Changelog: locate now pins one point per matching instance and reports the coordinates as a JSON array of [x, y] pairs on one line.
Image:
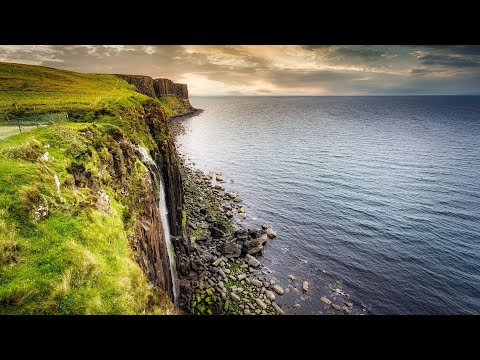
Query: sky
[[260, 70]]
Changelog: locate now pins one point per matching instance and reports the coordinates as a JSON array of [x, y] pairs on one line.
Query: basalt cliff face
[[149, 240], [160, 88]]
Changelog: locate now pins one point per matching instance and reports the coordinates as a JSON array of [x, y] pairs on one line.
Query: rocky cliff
[[160, 88]]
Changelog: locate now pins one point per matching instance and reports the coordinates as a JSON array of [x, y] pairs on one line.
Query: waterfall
[[162, 206]]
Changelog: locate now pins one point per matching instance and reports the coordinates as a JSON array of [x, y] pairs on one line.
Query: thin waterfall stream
[[162, 206]]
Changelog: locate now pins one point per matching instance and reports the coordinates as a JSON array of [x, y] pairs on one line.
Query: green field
[[77, 259]]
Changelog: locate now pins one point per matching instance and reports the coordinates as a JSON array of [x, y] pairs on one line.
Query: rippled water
[[382, 193]]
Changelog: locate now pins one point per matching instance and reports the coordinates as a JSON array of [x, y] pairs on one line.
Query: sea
[[375, 197]]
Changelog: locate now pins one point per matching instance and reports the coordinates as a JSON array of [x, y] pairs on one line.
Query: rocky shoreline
[[227, 275]]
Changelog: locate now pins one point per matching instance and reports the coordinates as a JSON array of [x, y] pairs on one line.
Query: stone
[[241, 277], [210, 219], [258, 311], [261, 303], [335, 306], [226, 271], [252, 246], [268, 302], [264, 312], [247, 312], [217, 261], [262, 238], [278, 289], [222, 274], [271, 234], [242, 306], [349, 304], [256, 282], [346, 310], [219, 178], [237, 199], [244, 266], [242, 210], [250, 269], [242, 235], [326, 300], [219, 187], [227, 303], [216, 233], [270, 295], [203, 211], [192, 225], [252, 261], [305, 286], [220, 225], [265, 226], [291, 277], [229, 214], [277, 308], [296, 305], [242, 216], [234, 296], [231, 250]]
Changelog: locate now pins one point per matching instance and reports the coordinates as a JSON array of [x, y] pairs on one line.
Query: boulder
[[270, 295], [216, 233], [209, 218], [265, 226], [278, 289], [232, 250], [252, 261], [291, 277], [271, 234]]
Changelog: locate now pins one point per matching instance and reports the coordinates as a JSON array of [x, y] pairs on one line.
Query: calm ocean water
[[381, 193]]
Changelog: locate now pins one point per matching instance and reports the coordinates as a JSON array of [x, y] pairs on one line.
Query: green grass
[[36, 89], [78, 259]]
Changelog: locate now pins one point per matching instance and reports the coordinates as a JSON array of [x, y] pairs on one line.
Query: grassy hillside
[[64, 248]]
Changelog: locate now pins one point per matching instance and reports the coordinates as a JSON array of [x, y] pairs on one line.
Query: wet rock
[[277, 308], [242, 235], [271, 234], [241, 277], [261, 303], [262, 238], [305, 286], [296, 305], [203, 211], [242, 216], [256, 282], [252, 261], [326, 300], [346, 310], [278, 289], [335, 306], [219, 178], [234, 296], [252, 246], [218, 186], [270, 295], [220, 225], [237, 199], [265, 226], [349, 304], [209, 218], [231, 250], [242, 210], [216, 233], [229, 214], [217, 261], [291, 277]]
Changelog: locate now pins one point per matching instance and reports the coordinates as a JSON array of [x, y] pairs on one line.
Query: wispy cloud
[[275, 70]]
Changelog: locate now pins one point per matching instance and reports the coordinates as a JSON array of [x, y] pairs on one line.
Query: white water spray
[[162, 205]]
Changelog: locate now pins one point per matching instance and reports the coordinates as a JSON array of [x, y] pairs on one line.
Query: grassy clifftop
[[69, 193]]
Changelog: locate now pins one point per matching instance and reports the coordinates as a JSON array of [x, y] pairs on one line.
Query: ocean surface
[[377, 196]]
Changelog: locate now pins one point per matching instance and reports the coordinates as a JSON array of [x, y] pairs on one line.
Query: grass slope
[[78, 259]]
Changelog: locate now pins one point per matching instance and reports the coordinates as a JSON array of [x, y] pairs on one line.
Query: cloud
[[273, 69], [448, 60]]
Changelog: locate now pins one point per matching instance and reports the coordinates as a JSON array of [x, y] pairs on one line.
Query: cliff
[[80, 227], [174, 96]]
